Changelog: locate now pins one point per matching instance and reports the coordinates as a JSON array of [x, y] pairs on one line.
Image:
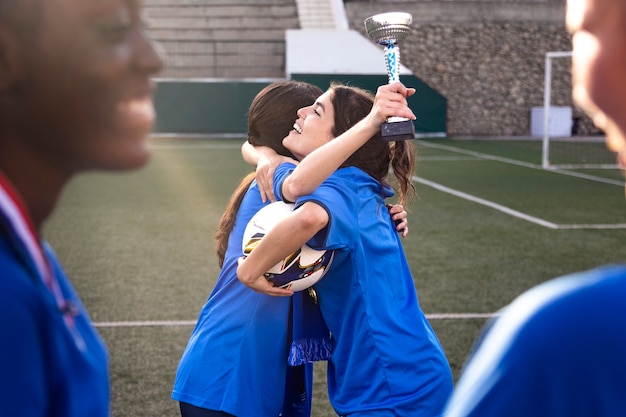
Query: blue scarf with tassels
[[310, 336], [310, 342]]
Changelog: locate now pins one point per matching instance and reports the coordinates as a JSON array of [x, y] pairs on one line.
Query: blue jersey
[[236, 358], [558, 350], [386, 359], [46, 367]]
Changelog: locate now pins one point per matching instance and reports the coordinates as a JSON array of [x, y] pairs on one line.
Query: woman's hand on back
[[400, 218], [265, 159], [266, 166]]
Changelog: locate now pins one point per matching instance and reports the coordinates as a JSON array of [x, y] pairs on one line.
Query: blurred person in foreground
[[559, 349], [75, 95]]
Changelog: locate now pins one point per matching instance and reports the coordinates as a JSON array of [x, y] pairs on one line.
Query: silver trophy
[[387, 29]]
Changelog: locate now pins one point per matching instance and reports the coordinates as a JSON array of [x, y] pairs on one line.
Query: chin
[[123, 155], [137, 158]]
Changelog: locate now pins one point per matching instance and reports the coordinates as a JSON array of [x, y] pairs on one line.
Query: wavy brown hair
[[271, 116], [352, 104]]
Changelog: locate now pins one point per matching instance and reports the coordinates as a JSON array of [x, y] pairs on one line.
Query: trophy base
[[397, 131]]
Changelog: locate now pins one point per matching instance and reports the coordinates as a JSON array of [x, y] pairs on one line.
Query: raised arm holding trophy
[[387, 29]]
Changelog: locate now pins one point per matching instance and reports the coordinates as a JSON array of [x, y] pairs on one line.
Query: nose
[[304, 112], [149, 55]]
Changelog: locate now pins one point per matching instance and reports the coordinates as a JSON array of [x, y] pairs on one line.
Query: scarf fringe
[[309, 350]]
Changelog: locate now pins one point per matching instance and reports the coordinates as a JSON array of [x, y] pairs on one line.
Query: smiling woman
[[99, 64], [75, 95]]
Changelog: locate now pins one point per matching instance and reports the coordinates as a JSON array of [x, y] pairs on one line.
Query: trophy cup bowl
[[387, 29], [391, 27]]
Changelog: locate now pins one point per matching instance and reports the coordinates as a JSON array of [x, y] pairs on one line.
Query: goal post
[[547, 97], [565, 151]]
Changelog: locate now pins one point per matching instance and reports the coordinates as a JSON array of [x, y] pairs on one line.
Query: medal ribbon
[[15, 211]]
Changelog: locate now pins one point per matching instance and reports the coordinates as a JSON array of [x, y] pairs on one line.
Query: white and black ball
[[300, 269]]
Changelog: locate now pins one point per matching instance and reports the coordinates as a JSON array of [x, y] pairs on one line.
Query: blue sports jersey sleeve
[[282, 172], [556, 351], [339, 204], [341, 231]]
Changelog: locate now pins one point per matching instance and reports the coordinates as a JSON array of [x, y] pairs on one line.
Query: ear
[[9, 59]]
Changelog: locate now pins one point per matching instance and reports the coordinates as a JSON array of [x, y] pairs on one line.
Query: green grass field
[[487, 225]]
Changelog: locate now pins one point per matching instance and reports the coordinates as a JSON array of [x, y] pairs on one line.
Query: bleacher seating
[[229, 39]]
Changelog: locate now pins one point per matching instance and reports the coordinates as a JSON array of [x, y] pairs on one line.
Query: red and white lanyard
[[15, 210]]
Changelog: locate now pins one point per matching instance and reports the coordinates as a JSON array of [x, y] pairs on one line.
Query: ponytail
[[403, 165], [227, 222]]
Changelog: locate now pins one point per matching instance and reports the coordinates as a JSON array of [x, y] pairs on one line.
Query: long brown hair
[[271, 116], [352, 104]]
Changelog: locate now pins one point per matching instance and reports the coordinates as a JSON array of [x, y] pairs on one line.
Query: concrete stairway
[[227, 39], [322, 14]]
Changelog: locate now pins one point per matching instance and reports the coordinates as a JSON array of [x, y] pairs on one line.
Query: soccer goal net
[[563, 145]]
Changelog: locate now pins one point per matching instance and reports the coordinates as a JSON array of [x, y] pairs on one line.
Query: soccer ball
[[300, 269]]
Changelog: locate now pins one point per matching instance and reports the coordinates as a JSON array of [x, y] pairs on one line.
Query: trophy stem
[[396, 128], [392, 61]]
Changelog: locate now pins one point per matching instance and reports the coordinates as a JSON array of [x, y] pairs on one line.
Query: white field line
[[183, 323], [591, 226], [515, 213], [167, 146], [450, 158], [507, 210], [495, 206], [460, 316], [523, 164], [160, 323]]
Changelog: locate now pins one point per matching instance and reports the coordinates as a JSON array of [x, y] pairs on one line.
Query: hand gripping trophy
[[387, 29]]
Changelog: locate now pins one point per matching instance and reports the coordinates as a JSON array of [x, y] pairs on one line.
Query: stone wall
[[486, 57]]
